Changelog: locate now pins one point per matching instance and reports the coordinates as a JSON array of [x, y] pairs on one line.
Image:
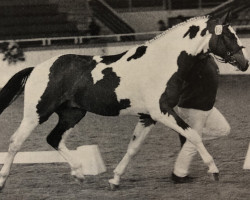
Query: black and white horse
[[136, 82]]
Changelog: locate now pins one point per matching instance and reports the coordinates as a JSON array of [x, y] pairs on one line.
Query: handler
[[196, 108]]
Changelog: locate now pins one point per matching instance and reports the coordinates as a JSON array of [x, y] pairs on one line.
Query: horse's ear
[[226, 18]]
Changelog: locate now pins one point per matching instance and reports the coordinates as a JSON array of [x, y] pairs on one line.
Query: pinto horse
[[136, 82]]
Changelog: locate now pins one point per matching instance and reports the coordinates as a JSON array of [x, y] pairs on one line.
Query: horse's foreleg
[[16, 142], [172, 120], [140, 133]]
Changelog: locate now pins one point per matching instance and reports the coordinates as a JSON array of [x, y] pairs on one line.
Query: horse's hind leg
[[68, 118], [140, 133], [26, 127]]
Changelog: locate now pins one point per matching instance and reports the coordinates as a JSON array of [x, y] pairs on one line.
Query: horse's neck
[[174, 40]]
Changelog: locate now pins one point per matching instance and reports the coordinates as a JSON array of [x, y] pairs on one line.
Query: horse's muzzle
[[241, 63], [244, 68]]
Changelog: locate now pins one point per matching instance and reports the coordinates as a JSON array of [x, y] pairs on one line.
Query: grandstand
[[62, 22]]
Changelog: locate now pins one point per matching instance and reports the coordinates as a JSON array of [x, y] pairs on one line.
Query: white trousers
[[209, 124]]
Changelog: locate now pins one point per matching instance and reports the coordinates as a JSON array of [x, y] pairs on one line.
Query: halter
[[228, 56]]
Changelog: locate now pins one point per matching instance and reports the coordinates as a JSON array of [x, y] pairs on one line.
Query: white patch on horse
[[137, 86], [239, 43], [97, 72], [35, 87], [97, 58]]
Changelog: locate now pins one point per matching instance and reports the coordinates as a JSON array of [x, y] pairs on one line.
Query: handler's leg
[[215, 126], [196, 119], [140, 133]]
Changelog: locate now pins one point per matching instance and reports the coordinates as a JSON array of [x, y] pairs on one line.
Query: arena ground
[[148, 176]]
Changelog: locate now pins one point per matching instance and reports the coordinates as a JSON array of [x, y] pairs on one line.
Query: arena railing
[[115, 37]]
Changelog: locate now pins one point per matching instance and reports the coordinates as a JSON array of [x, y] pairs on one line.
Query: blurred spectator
[[13, 53], [162, 25]]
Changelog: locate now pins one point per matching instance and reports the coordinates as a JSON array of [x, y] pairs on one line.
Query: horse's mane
[[176, 26]]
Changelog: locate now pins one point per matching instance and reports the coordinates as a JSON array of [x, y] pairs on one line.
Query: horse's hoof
[[78, 175], [1, 187], [113, 185], [180, 180], [79, 180], [216, 176]]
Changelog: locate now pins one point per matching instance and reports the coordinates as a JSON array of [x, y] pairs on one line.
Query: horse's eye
[[228, 53]]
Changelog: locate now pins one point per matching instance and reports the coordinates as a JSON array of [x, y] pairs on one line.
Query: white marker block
[[247, 159], [88, 155], [35, 157], [91, 159]]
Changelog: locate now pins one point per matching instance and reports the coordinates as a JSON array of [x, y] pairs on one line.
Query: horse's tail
[[13, 88]]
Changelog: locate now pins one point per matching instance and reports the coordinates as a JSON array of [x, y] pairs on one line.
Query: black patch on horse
[[100, 98], [112, 58], [192, 31], [64, 75], [203, 32], [140, 51], [134, 137], [70, 80], [146, 119]]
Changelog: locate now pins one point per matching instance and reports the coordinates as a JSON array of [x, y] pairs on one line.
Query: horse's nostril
[[247, 65]]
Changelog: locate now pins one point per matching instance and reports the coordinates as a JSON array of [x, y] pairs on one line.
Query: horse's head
[[225, 44]]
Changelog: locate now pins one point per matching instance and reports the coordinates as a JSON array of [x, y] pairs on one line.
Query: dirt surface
[[148, 176]]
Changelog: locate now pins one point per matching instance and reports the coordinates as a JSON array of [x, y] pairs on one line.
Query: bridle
[[228, 56]]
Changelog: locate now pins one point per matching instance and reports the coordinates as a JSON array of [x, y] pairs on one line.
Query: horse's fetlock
[[209, 161], [131, 152]]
